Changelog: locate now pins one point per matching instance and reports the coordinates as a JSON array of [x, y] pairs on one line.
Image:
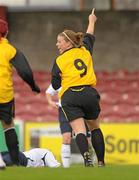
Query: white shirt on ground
[[39, 157]]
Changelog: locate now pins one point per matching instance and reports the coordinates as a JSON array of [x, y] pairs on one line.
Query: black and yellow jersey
[[7, 52], [9, 57], [74, 67]]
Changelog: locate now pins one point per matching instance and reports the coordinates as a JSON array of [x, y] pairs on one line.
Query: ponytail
[[76, 39]]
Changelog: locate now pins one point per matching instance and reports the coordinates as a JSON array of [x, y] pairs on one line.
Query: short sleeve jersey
[[76, 66]]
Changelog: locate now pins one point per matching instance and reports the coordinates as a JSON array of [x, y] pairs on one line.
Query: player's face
[[62, 45]]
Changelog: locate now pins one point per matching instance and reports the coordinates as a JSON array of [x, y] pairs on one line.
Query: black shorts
[[7, 112], [64, 124], [80, 102]]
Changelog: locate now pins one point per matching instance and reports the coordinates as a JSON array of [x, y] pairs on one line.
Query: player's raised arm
[[92, 20]]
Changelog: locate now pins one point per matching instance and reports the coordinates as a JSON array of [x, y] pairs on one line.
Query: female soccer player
[[73, 71], [65, 128], [11, 57]]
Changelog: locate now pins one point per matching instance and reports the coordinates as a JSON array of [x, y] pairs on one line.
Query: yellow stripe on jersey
[[7, 52], [76, 66]]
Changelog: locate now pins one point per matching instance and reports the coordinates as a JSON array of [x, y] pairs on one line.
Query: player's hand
[[92, 16], [36, 89], [53, 104]]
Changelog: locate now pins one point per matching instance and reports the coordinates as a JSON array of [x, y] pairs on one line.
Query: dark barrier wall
[[117, 37]]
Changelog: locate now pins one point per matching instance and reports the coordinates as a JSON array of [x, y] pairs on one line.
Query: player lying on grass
[[36, 157]]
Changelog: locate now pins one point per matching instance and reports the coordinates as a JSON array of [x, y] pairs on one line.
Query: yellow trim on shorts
[[64, 113]]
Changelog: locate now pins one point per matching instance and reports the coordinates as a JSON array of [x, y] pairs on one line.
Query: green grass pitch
[[75, 172]]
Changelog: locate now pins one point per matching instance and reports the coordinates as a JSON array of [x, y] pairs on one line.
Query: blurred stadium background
[[34, 26]]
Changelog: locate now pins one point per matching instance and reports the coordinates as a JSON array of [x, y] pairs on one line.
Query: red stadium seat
[[119, 85], [112, 118], [102, 75], [133, 118], [130, 98], [120, 110], [102, 86], [133, 86], [42, 76], [106, 109], [125, 110], [134, 75], [110, 98], [120, 74]]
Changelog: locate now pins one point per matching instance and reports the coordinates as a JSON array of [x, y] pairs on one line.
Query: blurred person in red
[[11, 57]]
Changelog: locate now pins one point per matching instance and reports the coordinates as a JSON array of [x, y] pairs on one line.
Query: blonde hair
[[76, 39]]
